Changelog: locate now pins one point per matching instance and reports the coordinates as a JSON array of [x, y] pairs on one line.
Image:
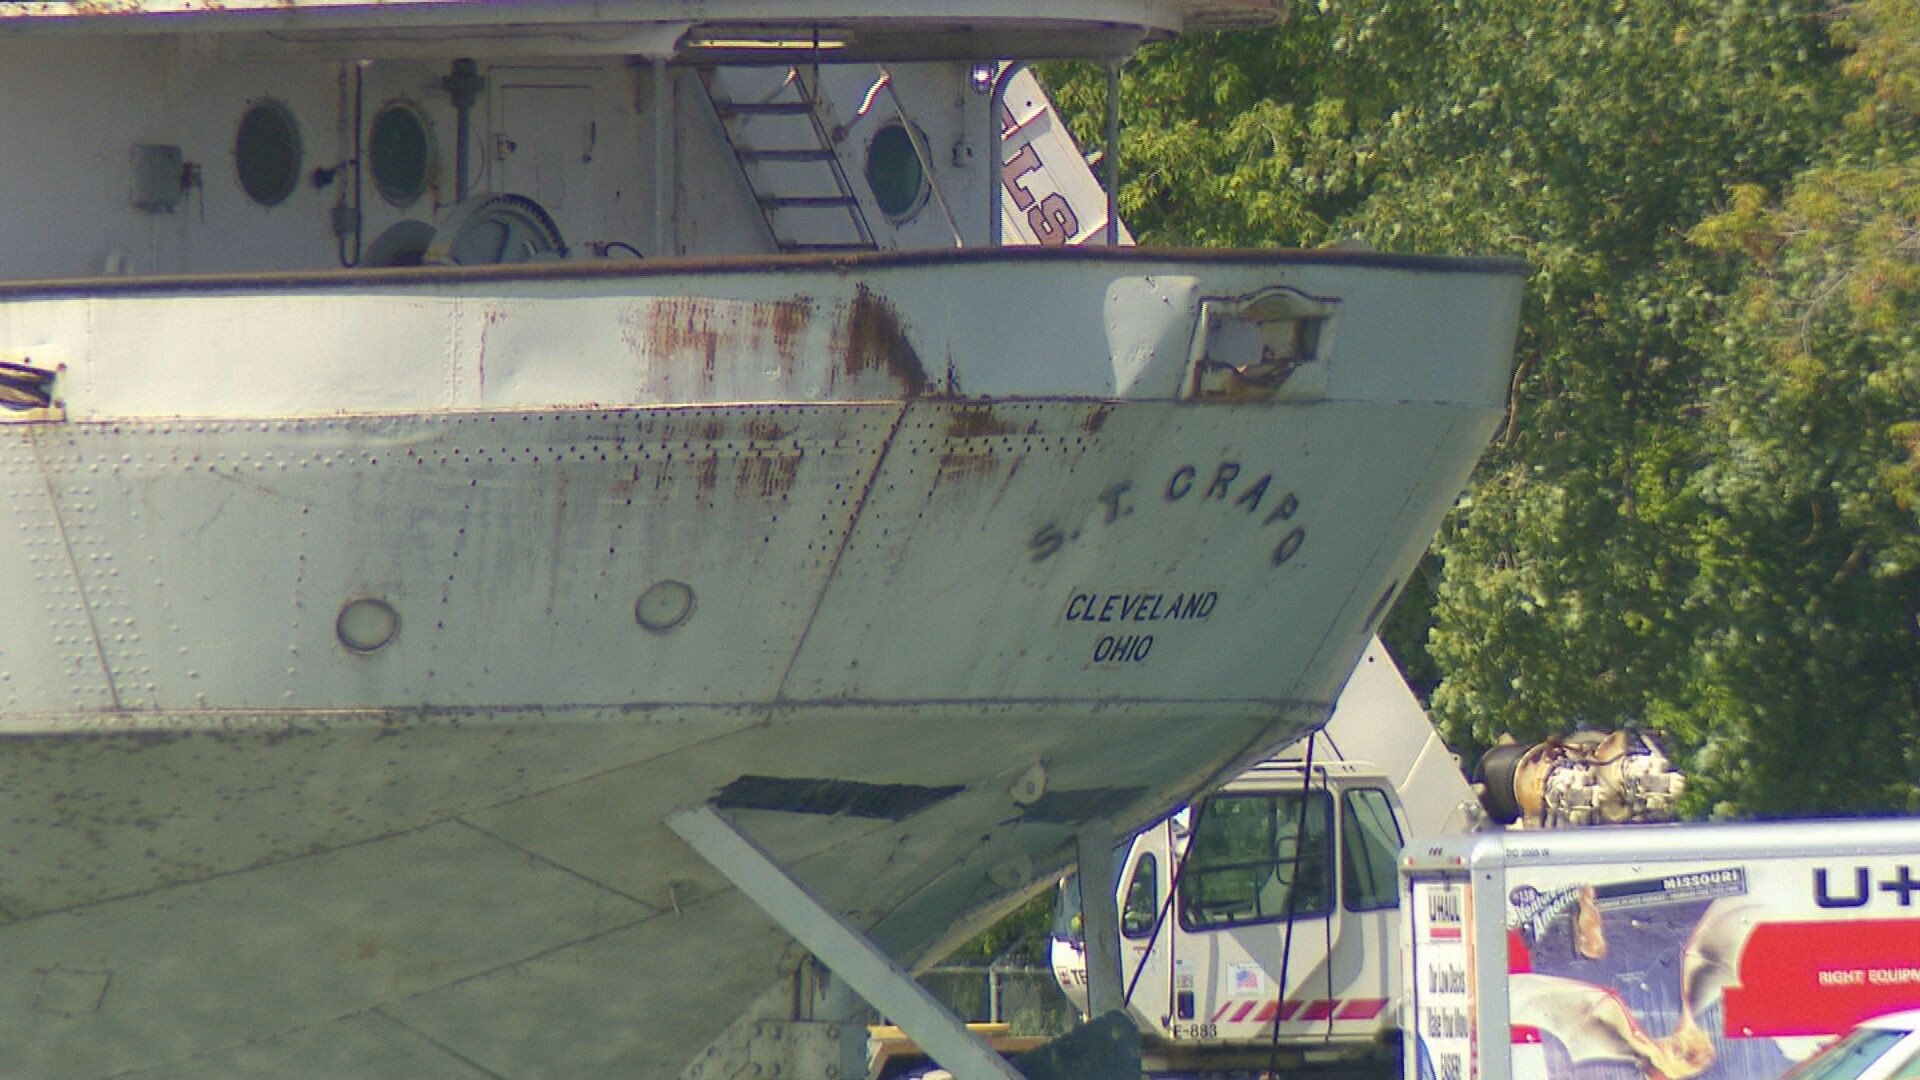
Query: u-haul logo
[[1857, 887]]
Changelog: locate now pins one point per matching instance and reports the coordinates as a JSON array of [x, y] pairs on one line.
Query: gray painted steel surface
[[458, 833]]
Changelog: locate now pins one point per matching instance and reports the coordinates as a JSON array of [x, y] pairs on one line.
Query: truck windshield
[[1258, 858]]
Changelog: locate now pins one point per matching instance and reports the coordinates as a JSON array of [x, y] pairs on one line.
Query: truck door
[[1366, 958], [1145, 954], [1256, 895]]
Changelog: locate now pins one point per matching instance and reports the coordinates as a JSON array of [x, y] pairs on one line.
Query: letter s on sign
[[1046, 541], [1053, 222]]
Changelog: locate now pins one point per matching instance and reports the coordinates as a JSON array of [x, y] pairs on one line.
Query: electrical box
[[158, 178]]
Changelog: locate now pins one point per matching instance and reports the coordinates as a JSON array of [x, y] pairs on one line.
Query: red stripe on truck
[[1262, 1012], [1362, 1009]]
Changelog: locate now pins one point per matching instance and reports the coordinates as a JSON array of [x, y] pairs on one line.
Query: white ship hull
[[236, 844]]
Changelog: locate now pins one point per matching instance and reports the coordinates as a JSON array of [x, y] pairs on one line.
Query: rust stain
[[636, 333], [706, 472], [873, 340], [623, 486], [769, 476], [713, 431], [762, 429], [784, 324], [952, 387], [679, 330], [966, 467], [490, 317], [662, 471], [974, 423], [682, 333], [1096, 419]]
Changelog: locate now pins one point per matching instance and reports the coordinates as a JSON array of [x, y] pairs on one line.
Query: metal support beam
[[1100, 923], [845, 950]]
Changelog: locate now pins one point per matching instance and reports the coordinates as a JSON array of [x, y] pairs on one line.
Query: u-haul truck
[[1718, 952]]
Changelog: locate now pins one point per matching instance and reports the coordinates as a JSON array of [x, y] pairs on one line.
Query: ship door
[[546, 138]]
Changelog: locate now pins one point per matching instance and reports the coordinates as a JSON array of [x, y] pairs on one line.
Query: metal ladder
[[788, 162]]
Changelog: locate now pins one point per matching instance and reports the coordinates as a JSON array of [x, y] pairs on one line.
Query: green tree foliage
[[1020, 940], [1700, 513], [1812, 568]]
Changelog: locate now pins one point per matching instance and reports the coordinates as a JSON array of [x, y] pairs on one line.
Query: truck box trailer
[[1719, 951]]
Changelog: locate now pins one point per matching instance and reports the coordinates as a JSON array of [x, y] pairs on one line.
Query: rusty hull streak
[[706, 472], [1096, 419], [785, 324], [690, 332], [769, 476], [872, 339], [761, 429], [976, 422], [490, 316], [688, 329], [957, 466], [624, 485]]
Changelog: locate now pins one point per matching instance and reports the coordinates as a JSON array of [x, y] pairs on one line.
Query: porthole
[[664, 606], [895, 174], [400, 151], [367, 624], [266, 152]]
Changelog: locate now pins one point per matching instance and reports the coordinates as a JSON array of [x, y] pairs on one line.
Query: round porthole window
[[664, 606], [266, 152], [367, 624], [894, 173], [400, 150]]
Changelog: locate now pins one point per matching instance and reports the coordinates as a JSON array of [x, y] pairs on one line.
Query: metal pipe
[[1293, 892], [662, 159], [1112, 162], [463, 85], [921, 152], [997, 151]]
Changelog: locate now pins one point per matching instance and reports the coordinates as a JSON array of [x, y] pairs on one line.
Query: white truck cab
[[1259, 926]]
